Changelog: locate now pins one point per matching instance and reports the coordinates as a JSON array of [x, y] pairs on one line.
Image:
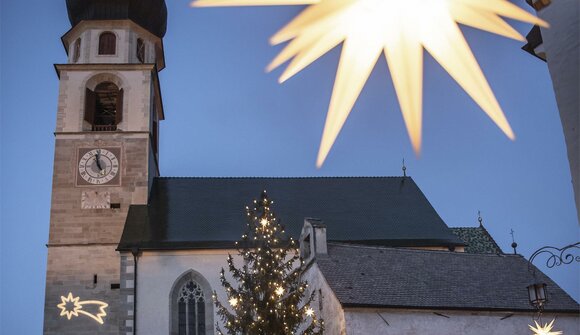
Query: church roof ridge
[[280, 177], [412, 250]]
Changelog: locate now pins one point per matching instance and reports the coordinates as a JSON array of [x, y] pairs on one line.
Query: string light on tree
[[268, 296], [400, 30]]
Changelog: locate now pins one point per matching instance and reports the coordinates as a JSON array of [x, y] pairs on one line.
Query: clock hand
[[97, 156]]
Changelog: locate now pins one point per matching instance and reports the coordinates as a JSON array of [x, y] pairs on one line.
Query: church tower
[[106, 156]]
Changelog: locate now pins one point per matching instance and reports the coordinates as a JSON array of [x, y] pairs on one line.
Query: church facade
[[131, 252]]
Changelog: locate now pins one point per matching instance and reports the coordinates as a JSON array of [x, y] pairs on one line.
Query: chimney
[[313, 239]]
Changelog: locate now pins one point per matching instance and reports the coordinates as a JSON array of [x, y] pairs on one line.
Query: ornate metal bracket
[[558, 256]]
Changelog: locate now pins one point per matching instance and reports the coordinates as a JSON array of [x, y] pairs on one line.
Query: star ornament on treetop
[[400, 29]]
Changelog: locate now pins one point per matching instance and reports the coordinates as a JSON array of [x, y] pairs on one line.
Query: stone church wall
[[72, 269]]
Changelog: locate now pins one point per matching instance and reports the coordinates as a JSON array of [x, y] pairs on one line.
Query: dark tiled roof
[[209, 212], [534, 39], [149, 14], [363, 276], [477, 240]]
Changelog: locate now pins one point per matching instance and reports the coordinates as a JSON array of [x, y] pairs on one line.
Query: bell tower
[[106, 156]]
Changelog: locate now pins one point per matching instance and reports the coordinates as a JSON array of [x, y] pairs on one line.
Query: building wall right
[[562, 45], [418, 322]]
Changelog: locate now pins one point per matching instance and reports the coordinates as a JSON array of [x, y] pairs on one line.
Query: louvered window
[[104, 107], [107, 43]]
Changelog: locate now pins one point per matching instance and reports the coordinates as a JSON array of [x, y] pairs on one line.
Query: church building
[[131, 252]]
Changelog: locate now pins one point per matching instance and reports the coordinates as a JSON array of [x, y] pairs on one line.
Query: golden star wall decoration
[[400, 29], [71, 306]]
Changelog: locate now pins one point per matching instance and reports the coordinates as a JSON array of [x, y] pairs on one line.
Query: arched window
[[104, 107], [107, 43], [191, 309], [191, 306], [140, 50]]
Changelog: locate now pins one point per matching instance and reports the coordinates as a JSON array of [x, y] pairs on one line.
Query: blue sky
[[226, 117]]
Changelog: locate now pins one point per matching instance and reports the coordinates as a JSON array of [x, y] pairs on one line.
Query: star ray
[[505, 8], [405, 59], [225, 3], [452, 52], [355, 66], [489, 22], [326, 10], [309, 55], [324, 33]]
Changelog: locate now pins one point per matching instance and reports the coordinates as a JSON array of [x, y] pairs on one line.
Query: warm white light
[[263, 221], [280, 290], [545, 330], [399, 29], [309, 312], [77, 307], [233, 302]]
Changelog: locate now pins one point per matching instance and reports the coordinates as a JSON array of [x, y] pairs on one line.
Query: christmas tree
[[268, 296]]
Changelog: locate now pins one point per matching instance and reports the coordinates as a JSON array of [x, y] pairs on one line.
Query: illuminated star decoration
[[77, 308], [400, 29], [545, 330]]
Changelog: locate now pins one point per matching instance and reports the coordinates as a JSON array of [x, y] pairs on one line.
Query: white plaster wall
[[127, 33], [136, 99], [331, 312], [400, 322], [562, 45], [156, 275]]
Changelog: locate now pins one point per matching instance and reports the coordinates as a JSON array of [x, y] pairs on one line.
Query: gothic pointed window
[[191, 309], [107, 43], [104, 107], [192, 312]]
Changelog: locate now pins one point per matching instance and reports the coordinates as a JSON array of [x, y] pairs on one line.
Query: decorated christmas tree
[[268, 296]]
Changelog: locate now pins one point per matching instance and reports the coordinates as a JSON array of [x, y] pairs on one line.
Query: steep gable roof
[[185, 213]]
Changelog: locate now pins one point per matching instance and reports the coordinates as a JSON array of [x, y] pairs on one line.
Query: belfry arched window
[[107, 43], [192, 309], [104, 107]]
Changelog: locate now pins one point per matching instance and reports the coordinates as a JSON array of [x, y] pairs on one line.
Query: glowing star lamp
[[400, 29], [77, 308], [544, 330]]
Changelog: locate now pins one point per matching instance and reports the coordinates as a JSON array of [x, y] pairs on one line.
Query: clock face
[[98, 166]]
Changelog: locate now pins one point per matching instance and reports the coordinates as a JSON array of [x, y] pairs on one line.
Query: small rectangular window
[[115, 206], [77, 50], [140, 50]]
